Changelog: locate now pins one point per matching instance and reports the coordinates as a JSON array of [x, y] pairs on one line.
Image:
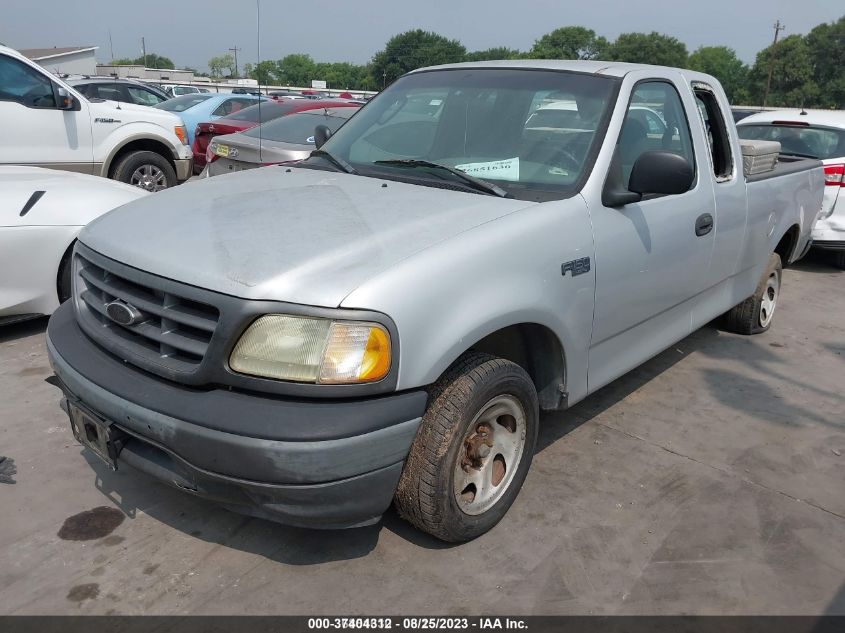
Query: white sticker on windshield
[[507, 169]]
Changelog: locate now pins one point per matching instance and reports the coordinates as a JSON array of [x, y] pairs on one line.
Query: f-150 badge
[[576, 267]]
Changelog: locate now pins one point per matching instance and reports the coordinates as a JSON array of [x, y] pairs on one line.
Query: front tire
[[146, 170], [755, 314], [472, 450]]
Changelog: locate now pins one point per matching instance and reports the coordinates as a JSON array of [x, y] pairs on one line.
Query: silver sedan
[[288, 138]]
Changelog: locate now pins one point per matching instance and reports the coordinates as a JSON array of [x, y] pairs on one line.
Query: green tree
[[264, 72], [724, 65], [649, 48], [343, 75], [792, 75], [570, 42], [152, 61], [216, 65], [497, 52], [413, 49], [826, 44], [297, 69]]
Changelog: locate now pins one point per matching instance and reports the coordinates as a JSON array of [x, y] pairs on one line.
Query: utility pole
[[778, 28], [144, 51], [235, 51]]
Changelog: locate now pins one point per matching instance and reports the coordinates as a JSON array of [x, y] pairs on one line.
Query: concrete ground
[[711, 480]]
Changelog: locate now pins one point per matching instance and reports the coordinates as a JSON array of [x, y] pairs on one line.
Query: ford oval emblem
[[122, 313]]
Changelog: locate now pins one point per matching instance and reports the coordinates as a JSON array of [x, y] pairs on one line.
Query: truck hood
[[286, 234]]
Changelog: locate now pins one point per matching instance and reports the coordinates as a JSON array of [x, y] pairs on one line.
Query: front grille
[[172, 332]]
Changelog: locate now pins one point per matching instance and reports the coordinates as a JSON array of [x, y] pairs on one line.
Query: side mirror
[[66, 101], [661, 172], [654, 172], [322, 133]]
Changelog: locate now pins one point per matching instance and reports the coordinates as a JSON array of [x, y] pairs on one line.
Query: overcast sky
[[192, 31]]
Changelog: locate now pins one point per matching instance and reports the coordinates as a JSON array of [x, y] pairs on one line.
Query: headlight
[[304, 349], [181, 132]]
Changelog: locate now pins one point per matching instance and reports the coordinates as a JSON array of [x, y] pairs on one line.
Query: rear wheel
[[146, 170], [473, 449], [755, 314]]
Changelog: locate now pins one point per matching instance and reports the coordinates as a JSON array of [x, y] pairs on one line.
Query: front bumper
[[307, 471], [184, 168]]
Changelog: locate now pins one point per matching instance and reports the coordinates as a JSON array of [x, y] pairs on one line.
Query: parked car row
[[255, 116]]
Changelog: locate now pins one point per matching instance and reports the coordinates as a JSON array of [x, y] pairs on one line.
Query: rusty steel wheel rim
[[489, 455], [770, 299]]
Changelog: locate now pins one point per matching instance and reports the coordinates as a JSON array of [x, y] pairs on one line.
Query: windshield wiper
[[337, 162], [475, 183]]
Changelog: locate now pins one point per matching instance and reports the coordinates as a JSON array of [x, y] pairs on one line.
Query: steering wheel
[[565, 159]]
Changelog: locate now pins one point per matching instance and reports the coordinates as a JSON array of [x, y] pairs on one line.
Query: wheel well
[[141, 145], [787, 244], [538, 351], [64, 261]]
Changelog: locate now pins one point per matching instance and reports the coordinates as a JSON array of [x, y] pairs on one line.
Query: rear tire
[[472, 450], [755, 314], [146, 170]]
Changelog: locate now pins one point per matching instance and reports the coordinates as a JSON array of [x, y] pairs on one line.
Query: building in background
[[71, 60], [144, 74]]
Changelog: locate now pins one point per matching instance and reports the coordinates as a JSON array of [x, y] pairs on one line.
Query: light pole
[[778, 28]]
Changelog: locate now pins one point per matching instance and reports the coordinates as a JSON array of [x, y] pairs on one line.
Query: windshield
[[533, 133], [299, 127], [180, 104], [802, 140]]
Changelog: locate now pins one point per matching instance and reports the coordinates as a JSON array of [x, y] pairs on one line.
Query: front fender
[[110, 145], [505, 272]]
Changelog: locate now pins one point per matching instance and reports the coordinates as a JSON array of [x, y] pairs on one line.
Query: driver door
[[35, 131], [650, 262]]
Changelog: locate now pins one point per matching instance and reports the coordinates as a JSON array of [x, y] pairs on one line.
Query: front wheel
[[473, 449], [755, 314], [146, 170]]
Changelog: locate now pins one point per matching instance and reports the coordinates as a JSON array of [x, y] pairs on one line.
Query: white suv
[[48, 123]]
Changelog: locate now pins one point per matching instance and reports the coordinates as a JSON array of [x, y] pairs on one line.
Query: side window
[[655, 121], [110, 91], [142, 96], [24, 85], [716, 131], [232, 105]]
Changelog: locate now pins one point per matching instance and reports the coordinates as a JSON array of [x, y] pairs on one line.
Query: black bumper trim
[[829, 245]]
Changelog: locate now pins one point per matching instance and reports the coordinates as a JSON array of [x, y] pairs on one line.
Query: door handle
[[703, 224]]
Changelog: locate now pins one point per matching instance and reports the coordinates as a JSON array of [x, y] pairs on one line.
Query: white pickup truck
[[44, 122], [386, 319]]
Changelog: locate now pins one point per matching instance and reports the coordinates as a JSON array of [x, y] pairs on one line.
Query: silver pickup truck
[[384, 321]]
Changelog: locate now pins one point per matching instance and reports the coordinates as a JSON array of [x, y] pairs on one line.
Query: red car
[[249, 117]]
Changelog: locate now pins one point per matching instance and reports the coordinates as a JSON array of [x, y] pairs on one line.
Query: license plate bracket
[[98, 434]]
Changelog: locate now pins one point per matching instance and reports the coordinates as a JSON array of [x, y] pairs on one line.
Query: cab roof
[[597, 67]]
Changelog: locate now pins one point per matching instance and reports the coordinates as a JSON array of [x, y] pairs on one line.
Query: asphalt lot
[[710, 480]]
